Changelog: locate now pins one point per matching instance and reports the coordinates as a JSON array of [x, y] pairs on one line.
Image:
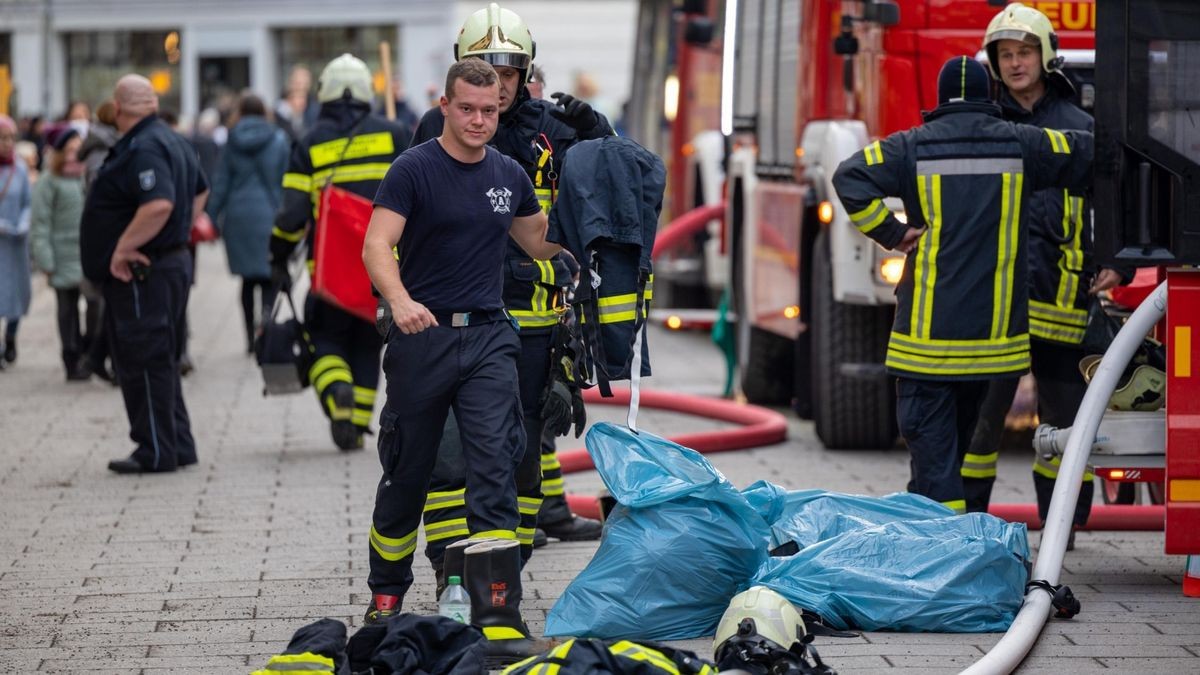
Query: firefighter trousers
[[936, 419], [1060, 390], [471, 370], [345, 361], [445, 506]]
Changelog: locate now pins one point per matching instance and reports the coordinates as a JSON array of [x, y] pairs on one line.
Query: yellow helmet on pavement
[[498, 36], [346, 73], [1026, 24], [757, 620]]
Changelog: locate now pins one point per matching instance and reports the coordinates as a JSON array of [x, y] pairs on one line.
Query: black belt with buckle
[[462, 319]]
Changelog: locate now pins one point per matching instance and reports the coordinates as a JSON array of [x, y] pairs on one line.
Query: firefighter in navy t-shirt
[[449, 205]]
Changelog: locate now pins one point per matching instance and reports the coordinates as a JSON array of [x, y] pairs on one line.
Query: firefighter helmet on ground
[[345, 73], [758, 619], [1026, 24], [498, 36], [1143, 389]]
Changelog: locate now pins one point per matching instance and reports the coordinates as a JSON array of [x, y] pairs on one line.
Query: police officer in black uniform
[[537, 134], [133, 243]]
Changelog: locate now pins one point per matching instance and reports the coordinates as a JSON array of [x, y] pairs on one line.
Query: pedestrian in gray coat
[[247, 188], [15, 202]]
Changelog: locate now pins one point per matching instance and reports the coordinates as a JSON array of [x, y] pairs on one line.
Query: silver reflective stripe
[[969, 166], [295, 666]]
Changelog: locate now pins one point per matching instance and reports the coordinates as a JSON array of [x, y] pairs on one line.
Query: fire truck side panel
[[1183, 412]]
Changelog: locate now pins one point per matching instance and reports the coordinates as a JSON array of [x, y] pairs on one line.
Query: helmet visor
[[1014, 34], [511, 59]]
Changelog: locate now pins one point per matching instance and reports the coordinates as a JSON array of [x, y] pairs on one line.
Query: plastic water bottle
[[455, 603]]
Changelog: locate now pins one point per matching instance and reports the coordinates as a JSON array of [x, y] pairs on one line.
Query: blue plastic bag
[[962, 574], [679, 545]]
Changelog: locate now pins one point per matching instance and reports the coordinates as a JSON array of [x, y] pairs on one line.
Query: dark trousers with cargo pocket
[[146, 321], [937, 418], [472, 370], [445, 508]]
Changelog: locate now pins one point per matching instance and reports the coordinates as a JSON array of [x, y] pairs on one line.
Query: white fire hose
[[1008, 653]]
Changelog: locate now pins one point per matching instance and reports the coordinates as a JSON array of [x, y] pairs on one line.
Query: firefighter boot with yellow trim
[[493, 581]]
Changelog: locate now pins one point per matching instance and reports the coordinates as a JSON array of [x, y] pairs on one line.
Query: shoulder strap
[[349, 139]]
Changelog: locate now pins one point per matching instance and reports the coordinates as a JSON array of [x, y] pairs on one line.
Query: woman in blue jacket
[[247, 189]]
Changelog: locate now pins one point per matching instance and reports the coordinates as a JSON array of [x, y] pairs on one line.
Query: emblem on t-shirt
[[501, 199], [146, 180]]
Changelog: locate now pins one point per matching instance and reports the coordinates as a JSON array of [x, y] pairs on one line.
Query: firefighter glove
[[562, 402], [574, 112]]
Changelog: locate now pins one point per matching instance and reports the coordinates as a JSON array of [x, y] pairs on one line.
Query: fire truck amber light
[[1184, 491], [1116, 474], [825, 212], [674, 322], [891, 269], [791, 311]]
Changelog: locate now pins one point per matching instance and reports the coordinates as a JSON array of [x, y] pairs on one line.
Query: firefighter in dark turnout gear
[[352, 149], [962, 302], [536, 133], [1022, 53]]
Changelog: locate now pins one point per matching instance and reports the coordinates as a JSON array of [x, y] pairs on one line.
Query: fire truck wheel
[[766, 378], [1118, 493], [849, 412]]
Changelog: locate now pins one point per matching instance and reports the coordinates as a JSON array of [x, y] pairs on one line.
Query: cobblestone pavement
[[213, 567]]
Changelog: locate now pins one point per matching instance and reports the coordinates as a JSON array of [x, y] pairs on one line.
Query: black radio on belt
[[139, 271]]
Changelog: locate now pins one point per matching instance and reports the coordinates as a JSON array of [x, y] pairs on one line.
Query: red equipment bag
[[338, 272]]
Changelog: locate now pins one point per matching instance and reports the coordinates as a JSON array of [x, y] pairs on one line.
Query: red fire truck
[[813, 82]]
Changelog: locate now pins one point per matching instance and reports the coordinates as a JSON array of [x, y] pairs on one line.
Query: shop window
[[315, 47], [96, 60]]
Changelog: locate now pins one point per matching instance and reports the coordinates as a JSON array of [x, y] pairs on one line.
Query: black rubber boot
[[452, 562], [346, 436], [556, 520], [493, 581], [539, 538]]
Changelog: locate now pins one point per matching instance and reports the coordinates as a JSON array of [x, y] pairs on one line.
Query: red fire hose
[[685, 226], [758, 427]]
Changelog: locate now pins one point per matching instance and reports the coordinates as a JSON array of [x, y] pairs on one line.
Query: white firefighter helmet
[[1144, 389], [345, 73], [758, 619], [1026, 24], [498, 36]]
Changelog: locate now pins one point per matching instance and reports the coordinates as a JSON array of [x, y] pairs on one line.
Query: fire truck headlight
[[825, 212], [891, 269]]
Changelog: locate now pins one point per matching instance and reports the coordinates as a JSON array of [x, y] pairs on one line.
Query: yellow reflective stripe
[[942, 347], [352, 173], [1006, 253], [873, 153], [455, 527], [307, 663], [553, 487], [618, 308], [550, 462], [957, 366], [297, 181], [529, 505], [1048, 468], [632, 650], [328, 362], [361, 417], [979, 466], [444, 500], [1069, 316], [366, 145], [502, 633], [529, 319], [391, 549], [519, 665], [1058, 142], [287, 236], [1050, 331], [959, 505], [322, 382], [495, 534], [525, 535], [1070, 263], [871, 217], [544, 198], [929, 189]]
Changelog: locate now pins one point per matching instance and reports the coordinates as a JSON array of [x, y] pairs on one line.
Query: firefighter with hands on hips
[[447, 208], [1022, 51], [537, 134], [962, 316], [351, 149], [138, 216]]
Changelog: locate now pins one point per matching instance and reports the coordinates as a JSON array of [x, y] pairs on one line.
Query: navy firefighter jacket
[[966, 175]]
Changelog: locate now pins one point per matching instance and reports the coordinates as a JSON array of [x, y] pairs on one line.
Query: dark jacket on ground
[[966, 175], [530, 286], [246, 193]]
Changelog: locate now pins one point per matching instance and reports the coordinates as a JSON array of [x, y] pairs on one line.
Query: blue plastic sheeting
[[683, 541], [963, 574]]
